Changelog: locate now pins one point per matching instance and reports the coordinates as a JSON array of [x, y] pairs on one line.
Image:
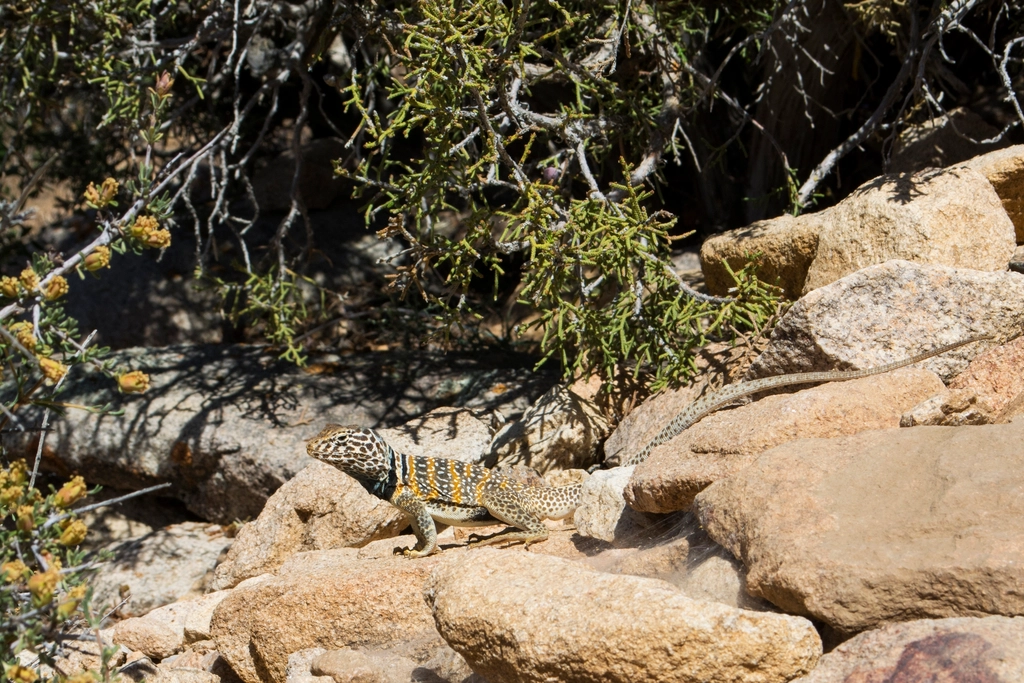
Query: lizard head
[[358, 452]]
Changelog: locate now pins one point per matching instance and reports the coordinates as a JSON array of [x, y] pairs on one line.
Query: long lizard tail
[[732, 392]]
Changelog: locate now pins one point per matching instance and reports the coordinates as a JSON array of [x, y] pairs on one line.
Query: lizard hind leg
[[512, 509]]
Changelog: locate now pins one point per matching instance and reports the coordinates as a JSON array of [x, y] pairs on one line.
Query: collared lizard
[[462, 494]]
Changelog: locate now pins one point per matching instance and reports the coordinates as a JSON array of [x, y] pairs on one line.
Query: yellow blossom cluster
[[98, 259], [51, 369], [147, 231]]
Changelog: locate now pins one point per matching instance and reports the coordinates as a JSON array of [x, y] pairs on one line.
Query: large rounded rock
[[519, 616], [882, 526], [951, 217]]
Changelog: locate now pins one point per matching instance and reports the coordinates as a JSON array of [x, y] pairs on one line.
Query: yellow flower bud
[[99, 258], [9, 287], [17, 473], [29, 279], [70, 493], [134, 382], [13, 571], [52, 370], [163, 84], [42, 585], [26, 518], [24, 332], [16, 673], [98, 199], [56, 288], [74, 533]]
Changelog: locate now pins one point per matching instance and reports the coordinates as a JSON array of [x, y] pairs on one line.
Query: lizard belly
[[460, 515]]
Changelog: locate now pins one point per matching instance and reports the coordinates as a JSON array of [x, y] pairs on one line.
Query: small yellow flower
[[11, 495], [68, 606], [26, 518], [74, 533], [56, 288], [143, 225], [157, 239], [24, 332], [9, 287], [99, 258], [134, 382], [29, 279], [16, 673], [70, 493], [17, 473], [52, 370], [42, 585], [13, 571]]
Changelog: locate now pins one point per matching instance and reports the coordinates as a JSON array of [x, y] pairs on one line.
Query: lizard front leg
[[422, 523]]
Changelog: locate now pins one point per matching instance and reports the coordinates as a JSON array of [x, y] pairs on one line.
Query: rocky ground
[[861, 531]]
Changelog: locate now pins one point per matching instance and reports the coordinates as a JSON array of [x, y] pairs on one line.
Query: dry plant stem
[[55, 519]]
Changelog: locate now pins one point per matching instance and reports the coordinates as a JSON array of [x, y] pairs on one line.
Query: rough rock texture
[[442, 433], [882, 526], [952, 217], [1004, 168], [988, 650], [159, 634], [526, 617], [331, 599], [942, 141], [888, 312], [319, 509], [984, 393], [562, 430], [362, 667], [197, 621], [161, 567], [603, 513], [727, 441], [226, 424]]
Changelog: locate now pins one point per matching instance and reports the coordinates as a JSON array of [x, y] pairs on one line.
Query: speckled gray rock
[[893, 310], [227, 424]]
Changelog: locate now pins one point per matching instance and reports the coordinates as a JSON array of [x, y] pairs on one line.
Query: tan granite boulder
[[518, 616], [1004, 168], [319, 508], [891, 311], [882, 526], [951, 217], [727, 441], [331, 599], [985, 650]]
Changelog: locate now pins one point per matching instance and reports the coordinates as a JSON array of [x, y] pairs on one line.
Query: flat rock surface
[[226, 425], [727, 441], [981, 650], [528, 617], [892, 311], [160, 567], [883, 526]]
